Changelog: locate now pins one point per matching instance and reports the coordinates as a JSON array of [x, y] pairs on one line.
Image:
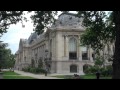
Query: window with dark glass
[[84, 56], [93, 56], [72, 48], [51, 48]]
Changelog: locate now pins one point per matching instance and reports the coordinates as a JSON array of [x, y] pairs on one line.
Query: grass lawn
[[17, 77], [89, 76], [64, 76], [9, 73], [13, 75]]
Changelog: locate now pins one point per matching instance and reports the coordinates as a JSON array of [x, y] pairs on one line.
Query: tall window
[[72, 48], [51, 48], [84, 53], [25, 59], [36, 57]]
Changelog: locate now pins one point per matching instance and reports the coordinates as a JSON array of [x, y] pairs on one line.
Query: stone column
[[64, 45], [67, 48], [90, 54], [80, 51], [59, 67], [54, 48]]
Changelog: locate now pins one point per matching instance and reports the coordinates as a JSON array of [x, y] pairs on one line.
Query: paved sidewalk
[[37, 76]]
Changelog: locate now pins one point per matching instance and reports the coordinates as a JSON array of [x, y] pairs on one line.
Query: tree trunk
[[116, 60]]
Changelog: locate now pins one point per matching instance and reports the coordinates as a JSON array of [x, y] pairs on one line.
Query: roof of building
[[68, 21], [32, 37]]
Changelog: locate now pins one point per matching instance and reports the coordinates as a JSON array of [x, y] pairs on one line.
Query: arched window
[[72, 48], [73, 68]]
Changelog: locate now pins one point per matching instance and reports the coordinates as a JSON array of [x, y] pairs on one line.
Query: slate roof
[[68, 21], [32, 37]]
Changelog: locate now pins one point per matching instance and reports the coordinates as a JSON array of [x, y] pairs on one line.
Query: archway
[[73, 69]]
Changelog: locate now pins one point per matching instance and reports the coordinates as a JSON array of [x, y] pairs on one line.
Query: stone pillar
[[59, 67], [67, 48], [64, 46], [54, 48], [80, 51], [90, 54], [81, 69]]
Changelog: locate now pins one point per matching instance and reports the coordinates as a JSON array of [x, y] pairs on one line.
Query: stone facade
[[59, 46]]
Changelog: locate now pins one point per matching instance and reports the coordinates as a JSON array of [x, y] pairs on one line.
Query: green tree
[[116, 59], [99, 29], [10, 61], [9, 17], [40, 63], [7, 59], [2, 54], [102, 33], [99, 62], [42, 20]]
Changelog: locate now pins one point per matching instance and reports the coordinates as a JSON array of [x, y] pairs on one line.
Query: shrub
[[32, 63], [86, 68], [40, 63], [93, 69], [32, 70], [109, 70], [99, 61], [106, 71]]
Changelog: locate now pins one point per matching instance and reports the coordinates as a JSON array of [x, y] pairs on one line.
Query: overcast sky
[[15, 32]]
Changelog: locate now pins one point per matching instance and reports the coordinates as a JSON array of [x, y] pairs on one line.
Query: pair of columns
[[79, 51]]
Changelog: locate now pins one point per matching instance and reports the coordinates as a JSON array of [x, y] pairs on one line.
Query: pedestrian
[[45, 72], [97, 75]]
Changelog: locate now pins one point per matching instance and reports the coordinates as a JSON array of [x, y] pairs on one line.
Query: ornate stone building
[[59, 46]]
